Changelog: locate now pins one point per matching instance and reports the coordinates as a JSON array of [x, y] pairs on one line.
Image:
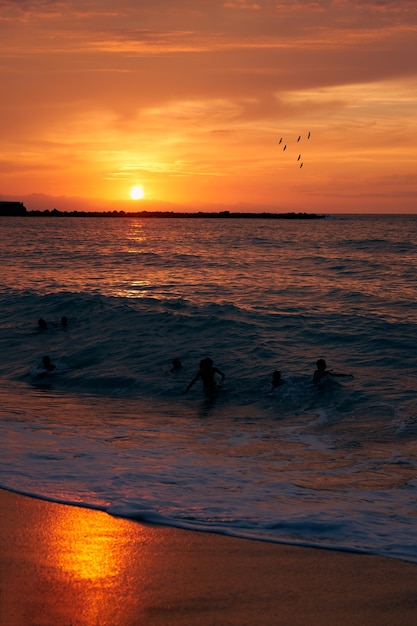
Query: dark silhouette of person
[[176, 365], [42, 325], [207, 373], [46, 362], [64, 321], [276, 379], [322, 372]]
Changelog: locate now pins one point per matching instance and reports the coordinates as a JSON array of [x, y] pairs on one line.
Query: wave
[[111, 429], [125, 346]]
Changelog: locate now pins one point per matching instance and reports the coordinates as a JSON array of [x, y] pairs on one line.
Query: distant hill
[[176, 214], [12, 208], [18, 209]]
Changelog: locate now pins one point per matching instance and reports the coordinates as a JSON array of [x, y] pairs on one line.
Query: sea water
[[333, 466]]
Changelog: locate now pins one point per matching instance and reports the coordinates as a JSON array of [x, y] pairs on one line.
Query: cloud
[[24, 9], [390, 6], [32, 5], [242, 4]]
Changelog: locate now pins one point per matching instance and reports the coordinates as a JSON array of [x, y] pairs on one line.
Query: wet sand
[[69, 566]]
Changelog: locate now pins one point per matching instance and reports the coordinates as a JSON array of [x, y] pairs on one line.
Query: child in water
[[276, 380], [46, 362], [206, 373], [176, 365], [322, 371]]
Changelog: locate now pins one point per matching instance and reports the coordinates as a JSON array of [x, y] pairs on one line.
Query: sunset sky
[[189, 99]]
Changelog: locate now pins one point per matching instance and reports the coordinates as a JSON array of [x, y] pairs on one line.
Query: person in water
[[207, 373], [64, 321], [322, 372], [176, 365], [42, 325], [46, 362], [276, 379]]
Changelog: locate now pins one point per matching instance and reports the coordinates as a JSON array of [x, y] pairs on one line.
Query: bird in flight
[[290, 146]]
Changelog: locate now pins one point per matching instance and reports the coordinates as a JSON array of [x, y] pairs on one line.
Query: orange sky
[[189, 99]]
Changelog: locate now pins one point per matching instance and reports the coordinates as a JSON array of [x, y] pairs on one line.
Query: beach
[[71, 566]]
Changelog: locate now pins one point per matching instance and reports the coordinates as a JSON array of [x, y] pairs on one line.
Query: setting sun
[[137, 193]]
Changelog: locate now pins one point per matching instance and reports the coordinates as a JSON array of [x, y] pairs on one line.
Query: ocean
[[331, 465]]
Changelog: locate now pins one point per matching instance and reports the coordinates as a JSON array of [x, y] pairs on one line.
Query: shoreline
[[62, 565]]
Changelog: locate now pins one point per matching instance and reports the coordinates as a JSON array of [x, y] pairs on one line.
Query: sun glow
[[137, 193]]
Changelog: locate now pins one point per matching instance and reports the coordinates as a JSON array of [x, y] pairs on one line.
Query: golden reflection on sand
[[94, 554], [81, 551]]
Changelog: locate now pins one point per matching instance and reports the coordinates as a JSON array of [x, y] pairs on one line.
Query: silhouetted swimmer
[[64, 321], [322, 371], [42, 325], [46, 362], [207, 373], [276, 379], [176, 365]]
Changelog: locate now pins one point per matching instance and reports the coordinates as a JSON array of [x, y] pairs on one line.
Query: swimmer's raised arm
[[339, 375], [194, 380], [221, 374]]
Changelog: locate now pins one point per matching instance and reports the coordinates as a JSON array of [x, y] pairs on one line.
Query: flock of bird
[[298, 140]]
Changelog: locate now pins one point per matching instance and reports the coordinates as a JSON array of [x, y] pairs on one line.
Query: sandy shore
[[68, 566]]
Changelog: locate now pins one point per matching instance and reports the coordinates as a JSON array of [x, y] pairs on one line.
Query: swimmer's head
[[321, 364]]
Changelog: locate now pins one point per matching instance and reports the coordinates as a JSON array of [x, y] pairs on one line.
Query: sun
[[137, 193]]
